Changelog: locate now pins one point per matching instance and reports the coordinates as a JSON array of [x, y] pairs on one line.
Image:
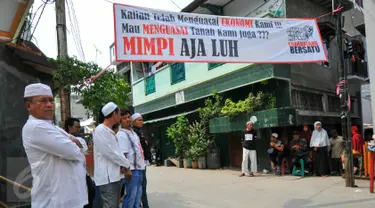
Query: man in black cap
[[300, 149]]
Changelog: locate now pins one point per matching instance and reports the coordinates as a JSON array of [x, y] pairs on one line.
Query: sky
[[95, 20]]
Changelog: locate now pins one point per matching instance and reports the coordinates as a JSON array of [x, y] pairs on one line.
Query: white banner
[[143, 34]]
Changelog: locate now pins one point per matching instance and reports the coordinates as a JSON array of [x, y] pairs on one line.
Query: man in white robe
[[57, 164], [108, 158]]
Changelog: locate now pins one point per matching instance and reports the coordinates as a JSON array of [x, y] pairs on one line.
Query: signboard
[[143, 34]]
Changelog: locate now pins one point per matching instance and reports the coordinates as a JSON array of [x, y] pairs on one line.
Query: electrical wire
[[78, 33], [41, 13], [175, 4], [75, 29]]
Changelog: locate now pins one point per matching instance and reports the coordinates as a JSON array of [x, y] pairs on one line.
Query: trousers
[[249, 155], [144, 191], [133, 189], [110, 194]]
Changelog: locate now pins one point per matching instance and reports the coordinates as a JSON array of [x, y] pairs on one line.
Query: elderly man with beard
[[57, 164]]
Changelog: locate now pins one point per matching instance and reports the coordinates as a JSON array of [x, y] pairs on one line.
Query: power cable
[[75, 31], [78, 33], [41, 13], [175, 4]]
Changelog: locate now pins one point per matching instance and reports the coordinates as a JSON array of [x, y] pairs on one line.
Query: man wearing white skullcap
[[249, 153], [55, 158], [109, 159], [137, 127]]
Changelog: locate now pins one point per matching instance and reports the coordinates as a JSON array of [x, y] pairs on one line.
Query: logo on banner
[[300, 40]]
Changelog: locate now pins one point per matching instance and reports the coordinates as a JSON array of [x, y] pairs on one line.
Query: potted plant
[[177, 133], [200, 143]]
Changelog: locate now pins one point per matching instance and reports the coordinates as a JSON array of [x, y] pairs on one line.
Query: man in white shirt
[[108, 158], [73, 127], [131, 147], [55, 159]]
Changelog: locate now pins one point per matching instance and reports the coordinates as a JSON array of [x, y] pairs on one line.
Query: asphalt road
[[170, 187]]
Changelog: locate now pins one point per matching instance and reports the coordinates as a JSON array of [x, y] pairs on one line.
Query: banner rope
[[339, 9]]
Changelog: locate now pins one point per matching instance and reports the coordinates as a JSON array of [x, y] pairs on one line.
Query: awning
[[169, 117], [31, 55]]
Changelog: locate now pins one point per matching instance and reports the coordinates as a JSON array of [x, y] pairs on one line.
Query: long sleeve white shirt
[[83, 149], [59, 176], [108, 158], [130, 145]]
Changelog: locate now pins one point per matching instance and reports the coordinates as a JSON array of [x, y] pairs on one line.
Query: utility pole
[[369, 7], [62, 48], [345, 114]]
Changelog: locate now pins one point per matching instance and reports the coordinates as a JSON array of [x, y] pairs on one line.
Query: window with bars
[[307, 100], [214, 65], [150, 84], [177, 73], [334, 104]]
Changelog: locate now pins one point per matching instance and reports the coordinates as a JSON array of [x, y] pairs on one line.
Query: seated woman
[[300, 150], [276, 150]]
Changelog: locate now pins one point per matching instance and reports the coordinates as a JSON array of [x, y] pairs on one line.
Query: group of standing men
[[57, 158], [118, 154]]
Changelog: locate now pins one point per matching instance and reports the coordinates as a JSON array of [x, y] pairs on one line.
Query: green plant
[[178, 133], [231, 108], [252, 103], [269, 101], [109, 86], [212, 108], [199, 139]]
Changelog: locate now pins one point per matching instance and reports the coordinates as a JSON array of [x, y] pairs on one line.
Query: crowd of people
[[58, 164], [319, 154], [122, 153]]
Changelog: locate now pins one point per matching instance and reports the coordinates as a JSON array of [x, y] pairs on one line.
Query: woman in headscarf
[[321, 145]]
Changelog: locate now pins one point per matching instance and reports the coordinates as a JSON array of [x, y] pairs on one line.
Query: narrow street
[[182, 188]]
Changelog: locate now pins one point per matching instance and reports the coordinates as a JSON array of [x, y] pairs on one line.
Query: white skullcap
[[108, 108], [135, 116], [275, 135], [38, 89], [249, 122]]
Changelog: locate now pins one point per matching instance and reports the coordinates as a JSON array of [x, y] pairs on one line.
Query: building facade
[[304, 92]]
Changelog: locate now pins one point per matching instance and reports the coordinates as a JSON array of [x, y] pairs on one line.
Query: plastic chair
[[301, 172]]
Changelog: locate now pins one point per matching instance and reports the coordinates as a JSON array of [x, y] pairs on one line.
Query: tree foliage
[[178, 133], [261, 101], [199, 139], [109, 86], [212, 108]]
